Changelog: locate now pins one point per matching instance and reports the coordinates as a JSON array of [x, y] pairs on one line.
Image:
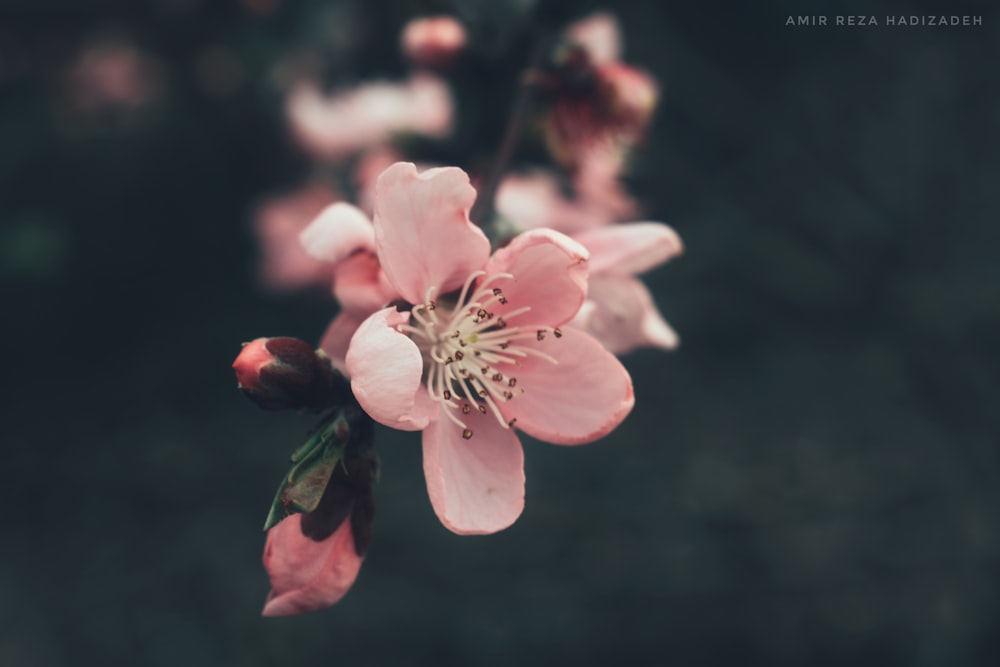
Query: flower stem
[[483, 207]]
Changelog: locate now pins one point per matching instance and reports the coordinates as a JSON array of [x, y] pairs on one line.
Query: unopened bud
[[281, 373], [434, 41]]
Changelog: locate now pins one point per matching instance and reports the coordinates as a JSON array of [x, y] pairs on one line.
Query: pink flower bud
[[280, 373], [313, 559], [433, 41]]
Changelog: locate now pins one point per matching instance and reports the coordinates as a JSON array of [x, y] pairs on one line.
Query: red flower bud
[[280, 373]]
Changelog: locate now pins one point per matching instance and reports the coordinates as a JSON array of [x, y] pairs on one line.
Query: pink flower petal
[[579, 399], [629, 248], [307, 575], [620, 313], [360, 284], [477, 485], [536, 200], [278, 222], [340, 230], [598, 182], [332, 127], [337, 337], [550, 276], [422, 229], [385, 369]]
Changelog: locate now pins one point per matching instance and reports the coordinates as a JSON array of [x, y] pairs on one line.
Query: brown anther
[[485, 369], [431, 305], [456, 334], [482, 394], [462, 342], [558, 332], [467, 434], [477, 353], [462, 371], [510, 424], [497, 377], [512, 382], [447, 394], [504, 346], [481, 313], [449, 360], [482, 408], [508, 395], [459, 355], [501, 323], [466, 409], [540, 335], [497, 291]]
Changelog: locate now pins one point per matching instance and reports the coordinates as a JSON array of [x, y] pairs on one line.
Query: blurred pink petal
[[279, 222], [336, 126], [597, 181], [307, 575], [599, 34], [536, 200], [629, 248], [433, 41], [337, 337], [620, 313], [550, 276], [340, 230], [422, 229], [476, 486]]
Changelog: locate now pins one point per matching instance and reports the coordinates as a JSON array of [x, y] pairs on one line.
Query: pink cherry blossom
[[278, 222], [485, 345], [619, 311], [600, 104], [336, 126]]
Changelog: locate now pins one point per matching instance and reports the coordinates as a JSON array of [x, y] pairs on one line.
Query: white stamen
[[471, 353]]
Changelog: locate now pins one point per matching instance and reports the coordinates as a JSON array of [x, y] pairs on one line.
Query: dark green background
[[810, 479]]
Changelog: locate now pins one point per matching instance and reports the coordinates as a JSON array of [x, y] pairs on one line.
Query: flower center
[[470, 353]]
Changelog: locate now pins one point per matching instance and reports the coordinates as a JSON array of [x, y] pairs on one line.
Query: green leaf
[[312, 464]]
